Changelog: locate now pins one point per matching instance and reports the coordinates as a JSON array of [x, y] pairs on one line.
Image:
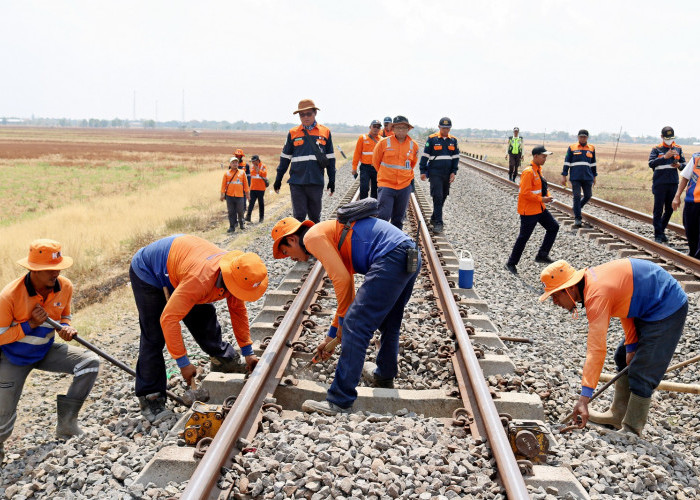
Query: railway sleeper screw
[[444, 351], [462, 417], [289, 380], [526, 468], [316, 307], [434, 312], [228, 404], [451, 283], [479, 352], [322, 293], [272, 407], [266, 342], [296, 290], [309, 323], [288, 304], [458, 297], [201, 448], [300, 346]]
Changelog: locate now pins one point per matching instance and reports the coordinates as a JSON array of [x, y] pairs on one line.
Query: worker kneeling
[[176, 279], [27, 339], [390, 261], [652, 308]]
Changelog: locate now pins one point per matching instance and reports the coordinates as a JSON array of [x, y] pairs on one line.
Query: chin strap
[[574, 314]]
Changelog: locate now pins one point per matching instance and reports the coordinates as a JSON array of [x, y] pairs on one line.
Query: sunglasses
[[376, 126], [306, 114]]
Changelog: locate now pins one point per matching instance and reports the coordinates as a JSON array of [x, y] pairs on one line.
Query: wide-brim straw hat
[[557, 276], [285, 227], [245, 275], [305, 105], [45, 255]]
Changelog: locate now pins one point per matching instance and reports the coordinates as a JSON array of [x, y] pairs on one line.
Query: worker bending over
[[176, 279], [381, 252], [652, 308], [27, 340]]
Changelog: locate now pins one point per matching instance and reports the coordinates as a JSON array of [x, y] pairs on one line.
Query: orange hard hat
[[557, 276], [45, 255], [239, 152], [285, 227], [245, 275]]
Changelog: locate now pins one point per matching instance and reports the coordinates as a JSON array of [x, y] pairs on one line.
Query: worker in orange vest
[[258, 184], [394, 159], [235, 190], [386, 131], [363, 156]]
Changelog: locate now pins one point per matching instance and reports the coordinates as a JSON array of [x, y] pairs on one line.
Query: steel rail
[[250, 399], [599, 202], [508, 469], [680, 260], [244, 411]]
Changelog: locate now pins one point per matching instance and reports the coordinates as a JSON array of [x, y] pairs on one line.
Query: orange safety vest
[[257, 176], [235, 183], [394, 162], [530, 196]]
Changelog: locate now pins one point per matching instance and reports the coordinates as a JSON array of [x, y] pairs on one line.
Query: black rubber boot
[[223, 365], [67, 410]]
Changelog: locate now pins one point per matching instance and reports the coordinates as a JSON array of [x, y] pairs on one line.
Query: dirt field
[[627, 181]]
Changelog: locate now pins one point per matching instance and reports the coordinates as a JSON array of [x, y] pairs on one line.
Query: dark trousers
[[656, 345], [527, 226], [200, 321], [306, 201], [663, 209], [368, 181], [439, 189], [378, 305], [258, 196], [514, 165], [393, 203], [691, 222], [576, 187], [236, 210]]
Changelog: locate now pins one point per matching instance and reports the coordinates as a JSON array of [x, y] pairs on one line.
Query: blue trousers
[[306, 201], [378, 305], [439, 189], [201, 322], [393, 203], [368, 181], [576, 187], [527, 226], [663, 206], [655, 348]]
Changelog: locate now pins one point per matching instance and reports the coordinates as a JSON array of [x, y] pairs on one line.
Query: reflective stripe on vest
[[693, 193], [514, 145], [407, 165]]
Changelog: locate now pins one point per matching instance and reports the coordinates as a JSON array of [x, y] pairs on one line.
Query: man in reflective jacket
[[515, 154], [363, 156], [665, 159], [307, 153], [580, 158], [691, 210]]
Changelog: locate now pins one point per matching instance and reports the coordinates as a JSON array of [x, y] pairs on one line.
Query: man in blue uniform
[[439, 164], [580, 158], [307, 153], [665, 159]]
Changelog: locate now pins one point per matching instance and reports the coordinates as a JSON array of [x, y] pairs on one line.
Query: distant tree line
[[419, 132]]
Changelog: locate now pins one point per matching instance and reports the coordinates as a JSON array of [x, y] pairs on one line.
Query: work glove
[[354, 175], [331, 186], [277, 185]]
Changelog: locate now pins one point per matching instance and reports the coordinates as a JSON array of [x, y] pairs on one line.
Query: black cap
[[668, 133], [402, 119], [376, 122], [254, 158], [516, 129], [583, 131], [445, 122], [387, 119], [540, 150]]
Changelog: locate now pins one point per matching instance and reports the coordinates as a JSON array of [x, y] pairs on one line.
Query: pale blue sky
[[487, 64]]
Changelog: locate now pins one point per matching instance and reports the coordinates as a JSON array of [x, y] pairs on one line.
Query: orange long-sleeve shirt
[[235, 183], [364, 148], [257, 176], [394, 162], [530, 195]]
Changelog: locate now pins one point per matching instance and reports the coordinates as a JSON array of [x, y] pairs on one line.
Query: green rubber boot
[[618, 408], [637, 413], [67, 410]]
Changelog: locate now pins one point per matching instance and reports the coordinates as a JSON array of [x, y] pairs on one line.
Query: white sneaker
[[323, 407]]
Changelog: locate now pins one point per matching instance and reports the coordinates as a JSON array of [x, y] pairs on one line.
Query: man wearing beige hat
[[176, 279], [27, 341], [307, 153]]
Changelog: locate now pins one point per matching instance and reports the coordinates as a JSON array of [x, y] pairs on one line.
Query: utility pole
[[616, 145], [156, 110], [183, 107], [544, 136], [134, 106]]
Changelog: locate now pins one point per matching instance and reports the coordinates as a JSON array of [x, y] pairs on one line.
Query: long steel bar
[[683, 261], [599, 202], [251, 396], [507, 466]]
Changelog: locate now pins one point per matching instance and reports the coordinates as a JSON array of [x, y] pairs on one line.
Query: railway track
[[628, 243], [448, 347]]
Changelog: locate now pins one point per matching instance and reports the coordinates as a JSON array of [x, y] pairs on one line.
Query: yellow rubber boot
[[618, 408], [636, 416]]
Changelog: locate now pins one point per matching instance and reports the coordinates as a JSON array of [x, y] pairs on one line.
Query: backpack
[[354, 211]]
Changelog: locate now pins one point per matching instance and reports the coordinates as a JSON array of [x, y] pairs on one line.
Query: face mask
[[668, 142]]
